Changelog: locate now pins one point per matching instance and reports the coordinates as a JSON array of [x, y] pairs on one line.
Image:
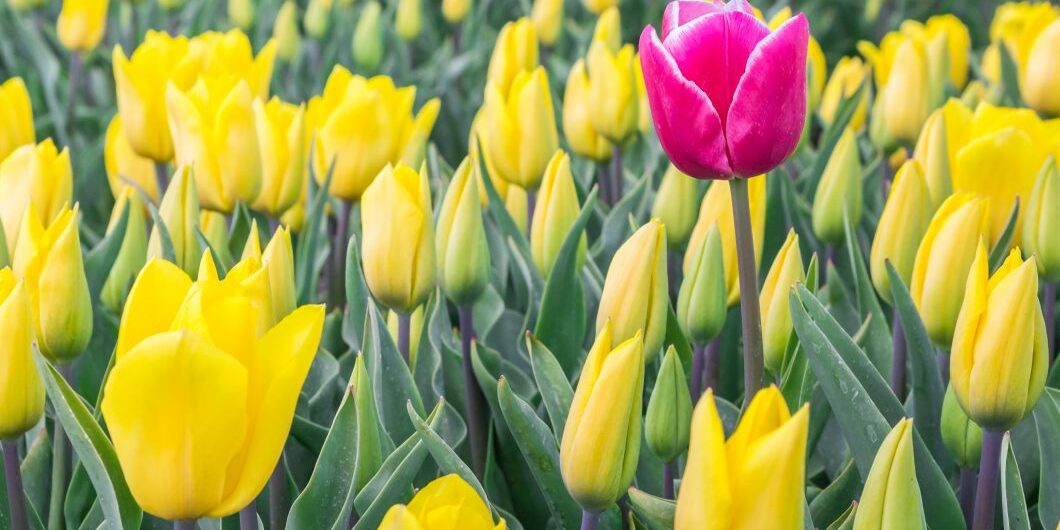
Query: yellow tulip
[[753, 480], [515, 52], [1000, 354], [460, 239], [21, 387], [601, 438], [283, 141], [1042, 218], [49, 261], [838, 194], [1041, 80], [960, 434], [474, 141], [582, 136], [1018, 26], [125, 168], [201, 397], [891, 499], [241, 13], [635, 296], [515, 202], [945, 132], [455, 11], [446, 503], [702, 300], [905, 97], [34, 177], [228, 58], [277, 264], [956, 45], [787, 270], [716, 208], [397, 242], [179, 211], [675, 205], [81, 24], [408, 19], [599, 6], [557, 208], [368, 37], [849, 75], [613, 101], [906, 216], [286, 33], [548, 20], [133, 252], [398, 517], [16, 114], [521, 132], [416, 138]]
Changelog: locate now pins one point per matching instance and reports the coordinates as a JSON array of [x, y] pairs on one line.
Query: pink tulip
[[728, 97]]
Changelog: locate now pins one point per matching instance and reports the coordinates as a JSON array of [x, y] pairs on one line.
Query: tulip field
[[529, 265]]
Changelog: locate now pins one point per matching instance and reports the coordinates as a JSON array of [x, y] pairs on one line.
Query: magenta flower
[[728, 97]]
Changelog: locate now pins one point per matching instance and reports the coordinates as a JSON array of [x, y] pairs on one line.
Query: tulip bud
[[905, 218], [849, 75], [557, 209], [520, 128], [214, 228], [669, 417], [634, 297], [599, 6], [1041, 75], [701, 303], [133, 252], [49, 262], [613, 101], [408, 21], [241, 13], [169, 6], [179, 212], [515, 204], [514, 52], [675, 205], [398, 517], [81, 24], [125, 168], [1041, 218], [906, 96], [455, 11], [460, 238], [960, 434], [16, 114], [368, 37], [577, 127], [21, 387], [285, 31], [787, 270], [37, 176], [608, 29], [891, 497], [282, 137], [446, 502], [317, 18], [1000, 354], [601, 439], [25, 5], [398, 238], [548, 20], [276, 263], [942, 262], [933, 157], [838, 194]]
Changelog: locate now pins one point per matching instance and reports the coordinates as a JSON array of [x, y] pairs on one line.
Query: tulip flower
[[48, 259], [1019, 26], [891, 498], [787, 270], [33, 177], [455, 11], [905, 218], [81, 24], [711, 116], [634, 297], [180, 344], [557, 208], [599, 6], [515, 202], [179, 211], [668, 420], [408, 19], [125, 168], [582, 136], [675, 205], [548, 20], [753, 480], [849, 75], [701, 302], [368, 37], [277, 264], [601, 438], [955, 45], [906, 93], [1040, 221], [447, 503], [16, 114], [133, 252], [520, 128], [613, 101], [1041, 78], [241, 13], [397, 241], [460, 239], [317, 18], [943, 261], [514, 52], [945, 132], [1000, 355], [286, 34], [838, 194], [21, 387], [960, 434], [228, 58], [283, 141]]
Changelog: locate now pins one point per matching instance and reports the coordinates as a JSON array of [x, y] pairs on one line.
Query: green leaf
[[878, 344], [392, 484], [1010, 78], [552, 384], [1047, 418], [444, 455], [1004, 243], [310, 244], [238, 234], [617, 224], [498, 211], [357, 298], [219, 260], [391, 380], [309, 433], [835, 499], [164, 238], [653, 512], [100, 260], [676, 338], [1013, 501]]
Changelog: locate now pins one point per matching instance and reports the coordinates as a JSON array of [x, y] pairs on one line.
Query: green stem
[[248, 517], [986, 492], [749, 308], [278, 496], [590, 520], [185, 524], [16, 498], [473, 399]]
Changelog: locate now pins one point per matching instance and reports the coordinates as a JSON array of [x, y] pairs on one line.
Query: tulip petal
[[153, 301], [687, 124], [705, 498], [769, 106], [768, 481], [681, 12]]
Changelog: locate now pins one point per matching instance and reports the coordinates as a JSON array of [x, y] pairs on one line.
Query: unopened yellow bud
[[906, 216], [21, 387], [555, 213], [702, 300], [460, 238], [634, 297], [838, 194], [787, 270], [891, 497]]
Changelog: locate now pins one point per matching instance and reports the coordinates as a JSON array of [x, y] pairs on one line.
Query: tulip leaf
[[434, 346], [1004, 243], [5, 259], [393, 487], [357, 298], [1010, 78], [93, 449], [1047, 418], [676, 338], [391, 380], [845, 521], [552, 384], [242, 223], [444, 455], [562, 320], [165, 239], [541, 452], [844, 114], [653, 512], [1013, 502], [220, 262], [617, 224], [308, 433], [307, 258], [878, 337], [100, 260], [830, 504]]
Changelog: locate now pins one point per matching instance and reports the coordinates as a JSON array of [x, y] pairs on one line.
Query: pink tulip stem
[[590, 520], [617, 176], [404, 337], [898, 358], [248, 517], [337, 286], [278, 495], [969, 483], [1049, 312], [473, 397], [668, 479], [749, 309], [73, 84], [16, 497], [986, 491], [162, 178], [185, 524]]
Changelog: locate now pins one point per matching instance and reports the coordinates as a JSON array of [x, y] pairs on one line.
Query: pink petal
[[769, 107], [681, 12], [688, 127], [712, 51]]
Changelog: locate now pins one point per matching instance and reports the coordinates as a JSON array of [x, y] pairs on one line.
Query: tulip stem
[[986, 491], [749, 308], [668, 479], [590, 520], [73, 82], [184, 524], [944, 366], [969, 478], [278, 496], [1049, 314], [898, 358], [404, 337], [473, 398], [604, 179], [338, 256], [16, 497], [60, 463], [248, 517], [698, 365], [617, 176], [712, 364], [162, 178]]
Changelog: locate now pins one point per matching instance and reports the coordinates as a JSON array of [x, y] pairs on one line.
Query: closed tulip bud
[[446, 502], [408, 20], [460, 238], [317, 18], [753, 480], [227, 58], [548, 20], [277, 265], [601, 439], [1000, 354], [515, 203], [81, 24], [676, 206], [557, 208], [416, 138], [905, 218], [669, 418], [179, 211], [787, 270], [21, 387], [942, 262], [905, 98], [455, 11], [36, 177], [933, 150], [634, 297], [849, 75], [891, 497], [608, 29], [1041, 75], [613, 102], [960, 434], [282, 137], [125, 168], [599, 6], [1041, 219], [838, 194], [398, 238], [702, 300], [956, 47], [25, 5], [133, 252], [181, 343], [582, 136], [49, 261], [514, 52], [170, 6], [16, 114], [286, 33], [520, 128], [368, 37], [241, 13]]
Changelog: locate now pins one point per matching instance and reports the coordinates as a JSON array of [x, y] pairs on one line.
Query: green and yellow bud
[[515, 52], [1040, 221], [408, 21], [668, 421], [317, 18], [557, 209], [548, 20], [460, 238], [285, 31], [945, 131], [702, 301], [634, 297], [179, 211], [368, 37], [520, 128], [613, 100], [676, 206], [891, 498], [17, 116], [21, 387], [905, 218], [960, 434], [455, 11], [133, 252], [276, 263], [839, 191], [1041, 73], [787, 270], [849, 75], [582, 136], [241, 13]]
